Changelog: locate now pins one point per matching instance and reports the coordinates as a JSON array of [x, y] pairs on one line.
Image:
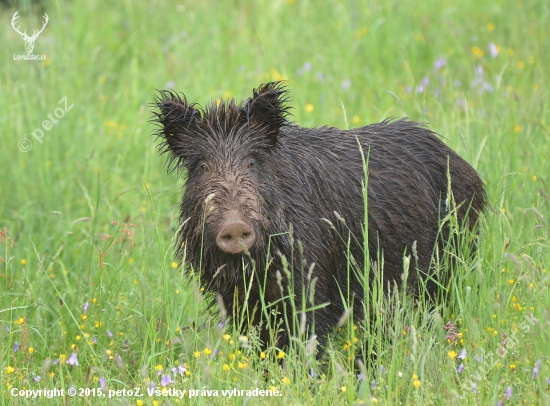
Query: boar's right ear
[[178, 122], [268, 109]]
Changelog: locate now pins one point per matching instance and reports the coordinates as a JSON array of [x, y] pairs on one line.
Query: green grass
[[98, 164]]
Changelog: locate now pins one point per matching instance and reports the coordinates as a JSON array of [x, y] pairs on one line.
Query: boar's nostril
[[233, 237]]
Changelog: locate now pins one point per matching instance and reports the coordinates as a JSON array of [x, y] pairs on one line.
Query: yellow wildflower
[[477, 52]]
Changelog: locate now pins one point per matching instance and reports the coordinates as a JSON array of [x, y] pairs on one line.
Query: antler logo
[[29, 41]]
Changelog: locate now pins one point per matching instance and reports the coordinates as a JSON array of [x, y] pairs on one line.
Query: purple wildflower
[[94, 340], [319, 76], [15, 346], [102, 382], [37, 378], [361, 377], [119, 362], [439, 63], [474, 388], [487, 86], [56, 362], [479, 82], [373, 384], [452, 332], [125, 344], [109, 333], [536, 369], [505, 255], [85, 307], [307, 66], [166, 380], [462, 354], [382, 369], [460, 368], [73, 360], [493, 50], [548, 381], [346, 84], [152, 385], [509, 392], [408, 89], [422, 86], [7, 328], [170, 84], [500, 403], [311, 373], [222, 324], [179, 370]]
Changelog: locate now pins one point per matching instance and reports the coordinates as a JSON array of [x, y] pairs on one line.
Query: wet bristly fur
[[273, 173]]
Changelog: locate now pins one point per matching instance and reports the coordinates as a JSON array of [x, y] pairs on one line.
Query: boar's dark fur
[[266, 172]]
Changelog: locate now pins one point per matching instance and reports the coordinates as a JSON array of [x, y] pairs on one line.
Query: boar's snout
[[235, 235]]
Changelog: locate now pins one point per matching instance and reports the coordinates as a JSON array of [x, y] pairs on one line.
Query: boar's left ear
[[178, 121], [268, 109]]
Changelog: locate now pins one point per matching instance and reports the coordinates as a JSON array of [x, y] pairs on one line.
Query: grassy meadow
[[90, 295]]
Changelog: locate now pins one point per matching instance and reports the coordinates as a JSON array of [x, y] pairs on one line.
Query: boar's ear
[[178, 122], [268, 109]]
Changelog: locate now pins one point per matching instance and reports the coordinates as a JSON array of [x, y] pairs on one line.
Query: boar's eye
[[203, 168], [250, 165]]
